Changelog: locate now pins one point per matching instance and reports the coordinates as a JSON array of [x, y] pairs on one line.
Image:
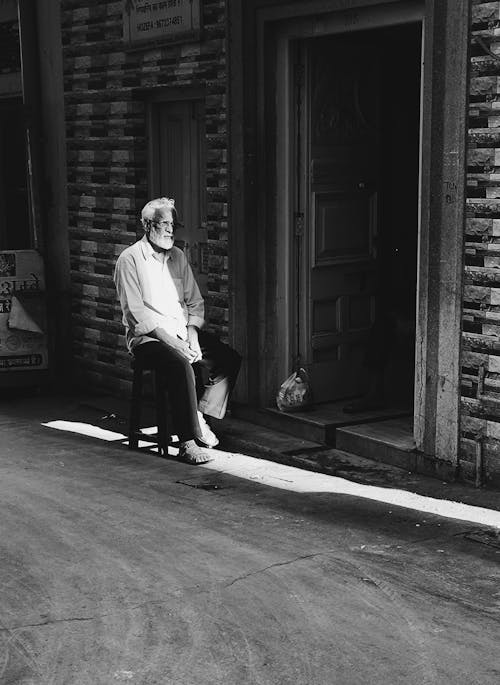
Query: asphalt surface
[[121, 567]]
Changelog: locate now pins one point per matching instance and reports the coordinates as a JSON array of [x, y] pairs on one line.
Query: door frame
[[296, 314], [172, 95], [260, 296]]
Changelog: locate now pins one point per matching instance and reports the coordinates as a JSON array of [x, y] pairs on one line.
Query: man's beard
[[164, 242]]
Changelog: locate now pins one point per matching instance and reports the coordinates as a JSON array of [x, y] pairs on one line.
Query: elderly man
[[163, 314]]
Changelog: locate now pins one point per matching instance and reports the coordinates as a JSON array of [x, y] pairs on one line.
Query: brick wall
[[480, 421], [107, 166]]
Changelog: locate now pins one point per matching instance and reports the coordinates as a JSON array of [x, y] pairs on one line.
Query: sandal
[[190, 453]]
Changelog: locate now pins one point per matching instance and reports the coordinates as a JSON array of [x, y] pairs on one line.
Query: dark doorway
[[357, 188]]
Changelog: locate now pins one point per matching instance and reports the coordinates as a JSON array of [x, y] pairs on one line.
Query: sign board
[[23, 330], [145, 21]]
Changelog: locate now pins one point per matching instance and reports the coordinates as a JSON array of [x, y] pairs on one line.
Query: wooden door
[[339, 150], [178, 171]]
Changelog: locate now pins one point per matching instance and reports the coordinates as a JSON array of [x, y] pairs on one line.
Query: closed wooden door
[[337, 196], [178, 171]]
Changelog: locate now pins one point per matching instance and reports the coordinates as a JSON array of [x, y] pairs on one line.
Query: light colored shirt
[[156, 290]]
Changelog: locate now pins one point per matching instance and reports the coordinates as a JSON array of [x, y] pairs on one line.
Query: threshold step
[[389, 441], [320, 423], [247, 438], [247, 434]]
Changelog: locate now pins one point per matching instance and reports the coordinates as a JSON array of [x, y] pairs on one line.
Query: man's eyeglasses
[[165, 224]]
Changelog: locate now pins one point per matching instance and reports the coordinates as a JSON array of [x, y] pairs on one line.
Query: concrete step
[[300, 425], [241, 436], [389, 441], [260, 440], [318, 424]]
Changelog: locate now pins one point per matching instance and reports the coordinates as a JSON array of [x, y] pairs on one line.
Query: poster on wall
[[166, 20], [23, 321]]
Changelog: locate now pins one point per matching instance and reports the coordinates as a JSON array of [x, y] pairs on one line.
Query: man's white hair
[[149, 209]]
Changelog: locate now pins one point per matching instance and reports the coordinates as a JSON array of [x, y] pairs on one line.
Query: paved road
[[114, 568]]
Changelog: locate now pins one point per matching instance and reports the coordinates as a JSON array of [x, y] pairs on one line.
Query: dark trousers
[[203, 386]]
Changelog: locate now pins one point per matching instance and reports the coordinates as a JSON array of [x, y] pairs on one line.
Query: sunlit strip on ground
[[85, 429], [302, 481], [299, 480], [92, 431]]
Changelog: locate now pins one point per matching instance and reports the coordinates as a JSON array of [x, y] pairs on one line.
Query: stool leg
[[161, 415], [134, 423]]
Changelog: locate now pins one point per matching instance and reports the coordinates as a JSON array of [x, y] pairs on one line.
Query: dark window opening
[[15, 233]]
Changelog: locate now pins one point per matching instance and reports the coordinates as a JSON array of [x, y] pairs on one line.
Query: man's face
[[161, 233]]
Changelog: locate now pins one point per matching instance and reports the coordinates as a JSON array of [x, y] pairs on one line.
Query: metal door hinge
[[299, 224], [299, 75]]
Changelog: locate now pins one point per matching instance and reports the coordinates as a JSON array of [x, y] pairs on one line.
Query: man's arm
[[139, 318], [193, 342], [192, 297], [180, 346], [195, 308]]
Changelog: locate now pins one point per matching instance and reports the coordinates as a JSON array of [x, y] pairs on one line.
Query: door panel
[[341, 127], [344, 224]]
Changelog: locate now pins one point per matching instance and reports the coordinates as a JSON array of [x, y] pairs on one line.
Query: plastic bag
[[295, 393]]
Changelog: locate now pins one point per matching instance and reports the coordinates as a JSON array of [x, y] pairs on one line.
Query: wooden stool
[[162, 439]]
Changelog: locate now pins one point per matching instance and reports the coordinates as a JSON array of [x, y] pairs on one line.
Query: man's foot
[[191, 453], [208, 437]]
